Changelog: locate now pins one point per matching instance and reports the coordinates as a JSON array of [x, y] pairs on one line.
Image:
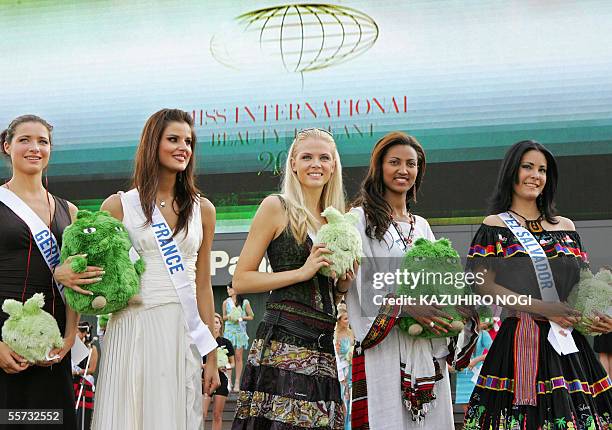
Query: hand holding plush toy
[[30, 331], [223, 358], [342, 238], [436, 266], [591, 294], [105, 243]]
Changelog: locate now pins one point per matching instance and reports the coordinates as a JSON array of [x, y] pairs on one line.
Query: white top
[[156, 287], [391, 246]]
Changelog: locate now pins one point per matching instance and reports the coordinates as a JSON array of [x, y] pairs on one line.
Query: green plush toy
[[30, 331], [235, 314], [105, 243], [590, 294], [342, 238], [438, 267], [222, 358]]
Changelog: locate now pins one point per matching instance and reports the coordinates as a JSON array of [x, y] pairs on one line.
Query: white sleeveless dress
[[150, 375]]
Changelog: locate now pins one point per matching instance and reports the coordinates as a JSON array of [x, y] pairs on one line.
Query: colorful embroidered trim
[[359, 404], [382, 325], [526, 353], [546, 387]]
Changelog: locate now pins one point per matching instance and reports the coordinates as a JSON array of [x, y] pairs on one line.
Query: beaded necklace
[[406, 239]]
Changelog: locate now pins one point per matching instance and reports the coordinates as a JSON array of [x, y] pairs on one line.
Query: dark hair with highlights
[[371, 195], [147, 168], [8, 134], [501, 199]]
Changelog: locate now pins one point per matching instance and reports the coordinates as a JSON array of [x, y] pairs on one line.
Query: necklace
[[406, 239], [162, 202], [533, 225]]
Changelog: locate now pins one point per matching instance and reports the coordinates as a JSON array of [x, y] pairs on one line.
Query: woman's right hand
[[315, 261], [560, 313], [10, 361], [426, 314], [64, 275]]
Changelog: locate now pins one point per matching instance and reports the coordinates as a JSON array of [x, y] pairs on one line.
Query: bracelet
[[338, 291]]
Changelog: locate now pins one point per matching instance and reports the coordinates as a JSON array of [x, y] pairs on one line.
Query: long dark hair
[[371, 195], [239, 298], [146, 168], [501, 199]]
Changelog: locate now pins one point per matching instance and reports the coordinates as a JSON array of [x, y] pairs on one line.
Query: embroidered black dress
[[573, 391], [36, 387], [291, 378]]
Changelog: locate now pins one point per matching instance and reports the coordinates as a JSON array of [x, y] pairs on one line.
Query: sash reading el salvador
[[558, 337]]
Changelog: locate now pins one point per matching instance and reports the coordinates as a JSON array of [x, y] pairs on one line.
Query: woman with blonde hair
[[291, 379]]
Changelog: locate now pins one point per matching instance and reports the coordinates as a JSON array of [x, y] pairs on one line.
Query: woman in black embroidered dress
[[291, 379], [24, 272], [548, 390]]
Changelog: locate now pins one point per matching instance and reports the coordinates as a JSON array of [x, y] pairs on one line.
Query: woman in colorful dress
[[291, 379], [24, 272], [150, 377], [524, 383], [236, 312], [344, 341], [396, 378]]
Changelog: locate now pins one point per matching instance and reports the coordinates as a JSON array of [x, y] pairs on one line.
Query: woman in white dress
[[388, 229], [151, 375]]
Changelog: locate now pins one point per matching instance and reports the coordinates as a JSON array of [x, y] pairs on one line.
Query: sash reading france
[[200, 335], [170, 252]]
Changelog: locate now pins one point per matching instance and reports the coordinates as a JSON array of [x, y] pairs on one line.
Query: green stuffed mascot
[[590, 294], [30, 331], [98, 239], [438, 267], [342, 238]]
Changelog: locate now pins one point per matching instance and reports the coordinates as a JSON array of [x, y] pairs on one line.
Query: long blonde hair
[[301, 220]]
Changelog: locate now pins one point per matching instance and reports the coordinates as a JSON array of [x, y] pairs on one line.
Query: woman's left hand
[[58, 353], [601, 323]]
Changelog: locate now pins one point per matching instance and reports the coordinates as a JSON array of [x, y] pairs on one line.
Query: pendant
[[162, 203], [534, 226]]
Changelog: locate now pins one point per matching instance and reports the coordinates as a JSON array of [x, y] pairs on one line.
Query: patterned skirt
[[573, 391], [291, 379]]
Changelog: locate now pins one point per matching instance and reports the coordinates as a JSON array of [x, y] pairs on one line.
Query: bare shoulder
[[565, 224], [208, 211], [113, 205], [271, 204], [72, 209], [493, 221], [271, 216]]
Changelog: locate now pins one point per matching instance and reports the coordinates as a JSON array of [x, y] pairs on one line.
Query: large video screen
[[466, 78]]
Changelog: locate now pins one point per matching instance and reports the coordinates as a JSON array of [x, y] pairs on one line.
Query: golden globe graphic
[[299, 38]]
